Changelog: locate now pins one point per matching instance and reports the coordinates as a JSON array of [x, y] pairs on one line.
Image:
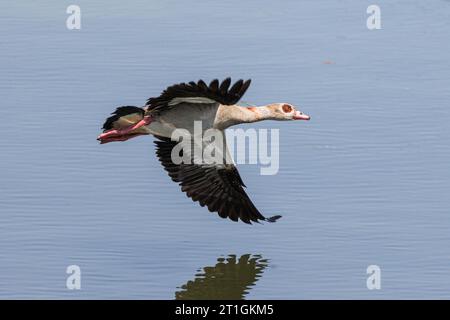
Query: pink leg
[[120, 138], [118, 133]]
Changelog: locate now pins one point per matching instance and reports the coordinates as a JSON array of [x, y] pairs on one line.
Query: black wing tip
[[259, 220], [273, 219]]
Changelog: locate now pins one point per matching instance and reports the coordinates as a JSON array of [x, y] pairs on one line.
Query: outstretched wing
[[199, 93], [219, 187]]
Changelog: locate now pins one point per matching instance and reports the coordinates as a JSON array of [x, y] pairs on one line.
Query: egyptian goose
[[219, 185]]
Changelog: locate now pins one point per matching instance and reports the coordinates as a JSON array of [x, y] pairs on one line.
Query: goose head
[[284, 111]]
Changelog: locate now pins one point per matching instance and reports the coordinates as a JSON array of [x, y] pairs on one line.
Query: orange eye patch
[[287, 108]]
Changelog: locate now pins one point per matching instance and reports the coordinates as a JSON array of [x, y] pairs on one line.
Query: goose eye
[[287, 108]]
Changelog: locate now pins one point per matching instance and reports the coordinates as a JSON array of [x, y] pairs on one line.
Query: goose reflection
[[231, 278]]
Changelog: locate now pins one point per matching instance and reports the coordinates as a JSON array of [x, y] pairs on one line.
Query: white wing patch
[[179, 100]]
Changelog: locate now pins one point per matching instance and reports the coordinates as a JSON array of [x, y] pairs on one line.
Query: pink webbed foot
[[124, 134], [120, 138]]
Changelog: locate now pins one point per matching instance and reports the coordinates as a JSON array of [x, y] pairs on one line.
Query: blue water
[[365, 182]]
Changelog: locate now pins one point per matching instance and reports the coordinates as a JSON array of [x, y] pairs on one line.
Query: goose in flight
[[214, 184]]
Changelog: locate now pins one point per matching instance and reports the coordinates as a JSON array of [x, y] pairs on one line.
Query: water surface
[[365, 182]]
